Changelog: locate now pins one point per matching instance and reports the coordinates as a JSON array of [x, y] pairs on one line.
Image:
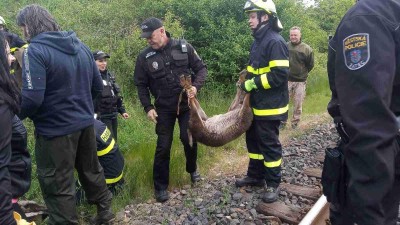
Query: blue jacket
[[269, 67], [60, 80]]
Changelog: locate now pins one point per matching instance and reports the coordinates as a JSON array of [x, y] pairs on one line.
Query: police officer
[[267, 83], [364, 76], [109, 103], [157, 71]]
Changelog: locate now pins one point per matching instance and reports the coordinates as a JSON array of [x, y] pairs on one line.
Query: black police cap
[[149, 25]]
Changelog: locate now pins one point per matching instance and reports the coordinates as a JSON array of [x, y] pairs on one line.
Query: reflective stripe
[[256, 156], [270, 112], [106, 150], [273, 164], [12, 71], [12, 50], [258, 71], [273, 63], [264, 81], [114, 180]]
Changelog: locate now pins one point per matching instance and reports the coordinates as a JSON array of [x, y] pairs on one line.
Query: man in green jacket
[[301, 62]]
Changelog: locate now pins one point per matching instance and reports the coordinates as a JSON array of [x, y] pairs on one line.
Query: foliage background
[[216, 28]]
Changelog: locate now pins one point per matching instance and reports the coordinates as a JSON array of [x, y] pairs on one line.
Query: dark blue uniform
[[269, 66], [364, 76], [157, 72]]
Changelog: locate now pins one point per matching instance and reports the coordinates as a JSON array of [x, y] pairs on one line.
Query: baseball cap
[[149, 25], [100, 55]]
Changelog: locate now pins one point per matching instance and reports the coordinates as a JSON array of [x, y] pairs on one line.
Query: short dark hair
[[37, 19]]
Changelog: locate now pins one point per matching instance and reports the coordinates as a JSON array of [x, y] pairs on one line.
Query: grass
[[137, 141]]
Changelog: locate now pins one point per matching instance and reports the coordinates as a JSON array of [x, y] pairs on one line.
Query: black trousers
[[56, 159], [112, 124], [265, 151], [6, 208], [342, 215], [165, 131]]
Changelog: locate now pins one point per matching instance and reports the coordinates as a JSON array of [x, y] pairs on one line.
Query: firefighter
[[157, 71], [110, 103], [110, 158], [267, 83], [364, 76]]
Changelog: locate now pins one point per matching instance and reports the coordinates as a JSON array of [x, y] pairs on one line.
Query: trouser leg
[[270, 146], [6, 209], [340, 215], [55, 160], [164, 130], [190, 151], [392, 199], [89, 169], [256, 161], [299, 93]]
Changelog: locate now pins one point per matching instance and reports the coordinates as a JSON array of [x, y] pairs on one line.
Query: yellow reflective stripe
[[256, 156], [25, 46], [12, 71], [264, 81], [273, 164], [273, 63], [114, 180], [12, 50], [270, 112], [106, 150], [258, 71]]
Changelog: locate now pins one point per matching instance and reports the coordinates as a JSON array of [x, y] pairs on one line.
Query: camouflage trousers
[[297, 92]]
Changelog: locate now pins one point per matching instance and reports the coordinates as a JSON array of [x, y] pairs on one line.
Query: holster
[[334, 175]]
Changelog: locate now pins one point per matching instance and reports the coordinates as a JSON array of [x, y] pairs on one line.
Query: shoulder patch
[[356, 50]]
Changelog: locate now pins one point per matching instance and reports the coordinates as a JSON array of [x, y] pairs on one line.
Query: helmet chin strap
[[259, 15]]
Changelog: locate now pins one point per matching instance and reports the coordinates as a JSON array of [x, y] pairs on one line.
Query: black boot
[[250, 181], [161, 196], [195, 176], [271, 194], [104, 214]]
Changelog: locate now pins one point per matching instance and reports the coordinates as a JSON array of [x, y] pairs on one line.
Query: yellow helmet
[[267, 6], [260, 5]]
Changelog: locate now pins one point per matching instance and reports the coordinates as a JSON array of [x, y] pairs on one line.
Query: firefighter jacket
[[269, 66], [109, 103], [158, 71], [301, 58], [364, 76], [110, 157]]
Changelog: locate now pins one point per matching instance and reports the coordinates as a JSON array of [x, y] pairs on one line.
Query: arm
[[198, 67], [364, 95], [33, 82], [141, 80], [310, 60], [278, 65]]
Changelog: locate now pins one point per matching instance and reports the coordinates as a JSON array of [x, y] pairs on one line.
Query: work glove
[[248, 85], [152, 115]]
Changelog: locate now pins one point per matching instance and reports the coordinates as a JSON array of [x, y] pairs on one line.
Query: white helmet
[[267, 6], [2, 21]]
